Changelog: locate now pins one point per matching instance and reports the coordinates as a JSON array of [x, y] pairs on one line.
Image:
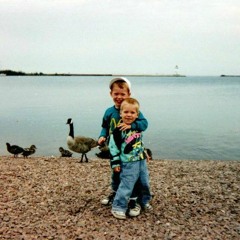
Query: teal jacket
[[126, 146]]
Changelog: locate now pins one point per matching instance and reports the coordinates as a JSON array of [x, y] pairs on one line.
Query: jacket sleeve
[[105, 126], [115, 153], [140, 124]]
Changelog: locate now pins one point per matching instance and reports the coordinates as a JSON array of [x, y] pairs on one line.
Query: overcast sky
[[201, 37]]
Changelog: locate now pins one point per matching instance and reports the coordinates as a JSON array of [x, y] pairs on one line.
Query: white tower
[[176, 70]]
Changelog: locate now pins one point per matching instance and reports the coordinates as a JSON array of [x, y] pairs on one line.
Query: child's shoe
[[118, 214], [109, 199], [134, 208], [148, 207]]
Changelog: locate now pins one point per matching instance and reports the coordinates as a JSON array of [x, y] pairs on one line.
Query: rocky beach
[[59, 198]]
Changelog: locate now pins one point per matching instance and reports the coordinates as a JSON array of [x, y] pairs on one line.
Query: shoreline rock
[[59, 198]]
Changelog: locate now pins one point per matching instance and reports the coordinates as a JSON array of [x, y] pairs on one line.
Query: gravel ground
[[59, 198]]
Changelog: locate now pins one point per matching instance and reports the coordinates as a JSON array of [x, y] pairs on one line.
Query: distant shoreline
[[230, 75], [20, 73]]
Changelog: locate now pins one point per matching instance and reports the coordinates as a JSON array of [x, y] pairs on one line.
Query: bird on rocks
[[64, 152], [104, 152], [29, 151], [79, 144], [149, 153], [14, 149]]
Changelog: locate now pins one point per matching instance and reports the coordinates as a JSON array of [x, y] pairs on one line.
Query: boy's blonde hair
[[131, 101]]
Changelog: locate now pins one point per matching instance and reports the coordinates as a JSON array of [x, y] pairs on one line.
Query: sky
[[200, 37]]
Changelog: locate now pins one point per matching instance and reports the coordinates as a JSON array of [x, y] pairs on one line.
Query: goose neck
[[71, 132]]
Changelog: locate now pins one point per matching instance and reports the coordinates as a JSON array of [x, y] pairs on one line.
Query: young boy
[[120, 89], [129, 158]]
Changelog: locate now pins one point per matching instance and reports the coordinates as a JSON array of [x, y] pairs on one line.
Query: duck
[[65, 153], [149, 153], [79, 144], [104, 151], [14, 149], [29, 151]]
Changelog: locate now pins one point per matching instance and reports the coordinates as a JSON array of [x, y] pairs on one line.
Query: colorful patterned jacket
[[126, 146]]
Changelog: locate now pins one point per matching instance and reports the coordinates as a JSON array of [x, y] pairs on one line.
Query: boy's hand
[[124, 126], [117, 169], [101, 140]]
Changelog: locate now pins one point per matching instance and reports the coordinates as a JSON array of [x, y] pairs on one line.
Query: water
[[189, 118]]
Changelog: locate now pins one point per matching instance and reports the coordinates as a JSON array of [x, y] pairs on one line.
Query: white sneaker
[[134, 208], [118, 214], [109, 199]]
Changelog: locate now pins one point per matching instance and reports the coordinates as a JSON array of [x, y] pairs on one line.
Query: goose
[[14, 149], [29, 151], [79, 144], [64, 152]]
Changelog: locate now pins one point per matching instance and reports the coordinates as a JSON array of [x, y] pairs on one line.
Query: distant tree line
[[19, 73]]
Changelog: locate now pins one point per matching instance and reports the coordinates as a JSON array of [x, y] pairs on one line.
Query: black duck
[[104, 152], [149, 153], [64, 152], [29, 151], [14, 149]]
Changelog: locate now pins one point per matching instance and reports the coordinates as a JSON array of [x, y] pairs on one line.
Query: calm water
[[189, 118]]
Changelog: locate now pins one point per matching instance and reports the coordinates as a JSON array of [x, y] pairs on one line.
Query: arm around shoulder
[[140, 124]]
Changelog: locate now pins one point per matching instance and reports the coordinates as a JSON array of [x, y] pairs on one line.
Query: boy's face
[[129, 113], [119, 94]]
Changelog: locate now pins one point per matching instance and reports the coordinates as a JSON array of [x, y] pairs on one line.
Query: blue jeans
[[130, 173], [136, 193]]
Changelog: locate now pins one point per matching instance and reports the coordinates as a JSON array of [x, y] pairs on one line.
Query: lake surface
[[189, 118]]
